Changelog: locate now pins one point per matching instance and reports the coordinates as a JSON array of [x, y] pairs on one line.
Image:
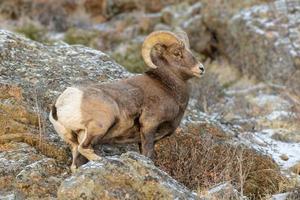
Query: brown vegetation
[[199, 162]]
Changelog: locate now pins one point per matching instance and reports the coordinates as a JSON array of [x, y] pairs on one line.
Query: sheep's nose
[[201, 67]]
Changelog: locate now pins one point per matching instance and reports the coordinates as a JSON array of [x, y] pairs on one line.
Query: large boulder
[[130, 176], [268, 39], [13, 158], [55, 15], [260, 38], [25, 172], [32, 76]]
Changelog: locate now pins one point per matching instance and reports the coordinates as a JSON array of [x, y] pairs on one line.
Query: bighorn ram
[[141, 109]]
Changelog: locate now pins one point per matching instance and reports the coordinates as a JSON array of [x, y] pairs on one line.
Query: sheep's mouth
[[198, 75]]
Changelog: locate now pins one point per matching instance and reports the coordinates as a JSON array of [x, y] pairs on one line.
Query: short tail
[[54, 112], [60, 129]]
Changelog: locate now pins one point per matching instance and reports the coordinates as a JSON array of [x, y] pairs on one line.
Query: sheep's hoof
[[89, 154], [96, 157], [73, 169]]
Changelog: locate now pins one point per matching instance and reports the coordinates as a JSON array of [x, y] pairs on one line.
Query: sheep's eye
[[177, 53]]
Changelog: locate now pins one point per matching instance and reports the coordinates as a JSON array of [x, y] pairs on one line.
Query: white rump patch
[[68, 107]]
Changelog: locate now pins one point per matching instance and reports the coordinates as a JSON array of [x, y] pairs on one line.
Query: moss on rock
[[33, 31], [80, 36]]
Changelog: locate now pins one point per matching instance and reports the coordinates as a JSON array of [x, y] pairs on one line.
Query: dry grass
[[201, 162], [32, 30]]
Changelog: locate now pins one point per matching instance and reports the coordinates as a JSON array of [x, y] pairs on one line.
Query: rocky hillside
[[240, 137]]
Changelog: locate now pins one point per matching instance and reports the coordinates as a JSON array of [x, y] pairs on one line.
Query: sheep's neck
[[173, 83]]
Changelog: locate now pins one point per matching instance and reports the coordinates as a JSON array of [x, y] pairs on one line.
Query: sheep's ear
[[157, 53], [183, 36], [158, 49]]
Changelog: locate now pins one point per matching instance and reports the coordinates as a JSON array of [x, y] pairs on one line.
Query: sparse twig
[[40, 120]]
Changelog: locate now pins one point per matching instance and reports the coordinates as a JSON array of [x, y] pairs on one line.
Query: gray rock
[[224, 191], [32, 76], [40, 179], [260, 38], [268, 41], [17, 156], [40, 72], [295, 194], [14, 157], [52, 68], [129, 176]]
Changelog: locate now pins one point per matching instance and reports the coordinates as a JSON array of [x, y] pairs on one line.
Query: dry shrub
[[200, 162]]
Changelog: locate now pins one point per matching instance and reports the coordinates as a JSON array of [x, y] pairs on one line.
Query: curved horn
[[158, 37]]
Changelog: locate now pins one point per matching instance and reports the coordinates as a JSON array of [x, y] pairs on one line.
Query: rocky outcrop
[[250, 33], [130, 176], [25, 172], [32, 75], [260, 38], [13, 158], [40, 179], [53, 14], [59, 15]]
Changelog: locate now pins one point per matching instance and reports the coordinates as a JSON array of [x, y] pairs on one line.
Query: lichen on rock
[[130, 176]]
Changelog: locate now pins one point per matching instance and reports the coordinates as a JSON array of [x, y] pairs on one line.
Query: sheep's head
[[171, 50]]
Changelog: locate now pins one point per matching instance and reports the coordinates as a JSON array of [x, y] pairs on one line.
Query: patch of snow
[[245, 90], [282, 196], [92, 165], [275, 148], [279, 114], [264, 99], [8, 197], [218, 188]]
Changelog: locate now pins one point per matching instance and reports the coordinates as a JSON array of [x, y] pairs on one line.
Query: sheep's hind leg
[[75, 154], [85, 147], [68, 136]]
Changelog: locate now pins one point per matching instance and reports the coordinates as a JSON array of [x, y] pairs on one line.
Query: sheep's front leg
[[147, 141]]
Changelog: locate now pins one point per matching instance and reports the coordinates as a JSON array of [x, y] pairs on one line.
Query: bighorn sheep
[[141, 109]]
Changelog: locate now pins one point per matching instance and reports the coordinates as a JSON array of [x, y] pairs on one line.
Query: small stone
[[284, 157], [224, 191]]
